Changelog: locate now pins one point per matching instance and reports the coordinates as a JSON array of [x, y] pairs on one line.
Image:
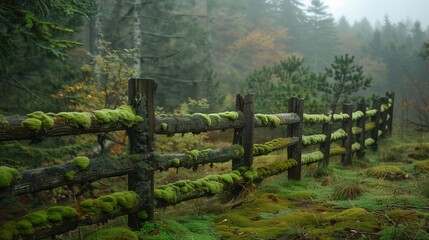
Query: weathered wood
[[177, 160], [383, 124], [35, 180], [237, 138], [83, 218], [360, 138], [347, 124], [326, 145], [295, 105], [391, 96], [15, 131], [376, 119], [244, 135], [141, 95]]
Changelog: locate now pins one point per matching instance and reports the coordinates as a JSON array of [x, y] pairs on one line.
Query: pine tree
[[322, 39]]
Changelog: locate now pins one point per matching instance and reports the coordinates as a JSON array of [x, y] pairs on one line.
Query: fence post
[[384, 101], [244, 136], [295, 130], [347, 124], [141, 95], [376, 119], [360, 138], [391, 100], [325, 147]]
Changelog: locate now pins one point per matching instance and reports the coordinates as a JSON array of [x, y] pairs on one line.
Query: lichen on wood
[[338, 134], [313, 139], [312, 157], [270, 146]]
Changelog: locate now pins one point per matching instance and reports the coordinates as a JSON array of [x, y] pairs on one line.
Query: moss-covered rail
[[354, 132]]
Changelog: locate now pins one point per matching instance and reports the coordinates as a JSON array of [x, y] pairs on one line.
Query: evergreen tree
[[37, 38], [290, 15], [322, 38]]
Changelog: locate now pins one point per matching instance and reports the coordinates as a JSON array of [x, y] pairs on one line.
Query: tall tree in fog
[[290, 15], [173, 46], [322, 36]]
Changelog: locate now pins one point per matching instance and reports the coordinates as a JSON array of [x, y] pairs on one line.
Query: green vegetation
[[124, 114], [113, 234], [81, 162], [7, 176], [270, 146]]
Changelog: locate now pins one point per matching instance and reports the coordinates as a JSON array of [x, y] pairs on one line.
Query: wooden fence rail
[[357, 131]]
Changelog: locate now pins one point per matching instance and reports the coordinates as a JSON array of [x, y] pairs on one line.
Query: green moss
[[24, 227], [204, 117], [370, 113], [126, 199], [262, 117], [6, 234], [47, 121], [337, 151], [386, 172], [82, 162], [115, 233], [88, 203], [369, 126], [76, 119], [193, 154], [268, 119], [340, 116], [338, 134], [124, 114], [270, 146], [106, 207], [70, 175], [357, 115], [175, 161], [313, 139], [422, 166], [356, 146], [3, 122], [55, 217], [356, 130], [142, 215], [316, 118], [311, 157], [164, 126], [63, 211], [229, 115], [7, 176], [33, 124], [37, 218], [369, 142], [215, 116]]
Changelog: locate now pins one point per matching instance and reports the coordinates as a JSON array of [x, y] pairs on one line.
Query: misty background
[[203, 52]]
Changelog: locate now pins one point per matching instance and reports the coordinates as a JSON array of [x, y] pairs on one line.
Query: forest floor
[[382, 196], [385, 195]]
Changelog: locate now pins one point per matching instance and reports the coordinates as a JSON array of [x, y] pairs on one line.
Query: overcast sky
[[374, 10]]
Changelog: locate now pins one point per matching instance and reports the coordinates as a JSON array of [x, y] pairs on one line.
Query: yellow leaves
[[260, 47]]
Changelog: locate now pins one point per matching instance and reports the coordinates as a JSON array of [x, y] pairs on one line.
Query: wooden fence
[[357, 131]]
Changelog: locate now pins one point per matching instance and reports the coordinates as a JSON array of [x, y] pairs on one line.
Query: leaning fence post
[[244, 136], [346, 158], [376, 119], [391, 101], [141, 95], [360, 138], [295, 130]]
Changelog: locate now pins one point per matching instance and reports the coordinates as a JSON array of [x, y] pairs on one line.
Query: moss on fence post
[[141, 94]]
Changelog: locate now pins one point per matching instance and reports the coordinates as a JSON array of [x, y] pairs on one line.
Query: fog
[[375, 10]]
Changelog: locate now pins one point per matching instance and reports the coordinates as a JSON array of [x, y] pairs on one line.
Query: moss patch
[[113, 234], [47, 121], [124, 114], [82, 162], [33, 124], [7, 176], [76, 119], [386, 172], [70, 175]]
